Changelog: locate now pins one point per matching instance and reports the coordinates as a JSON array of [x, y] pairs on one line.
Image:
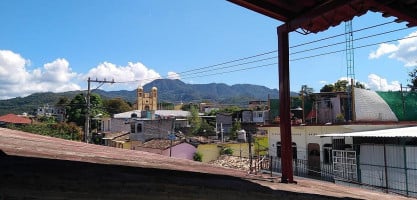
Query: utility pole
[[87, 136]]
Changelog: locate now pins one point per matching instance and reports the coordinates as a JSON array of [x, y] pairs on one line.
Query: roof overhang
[[395, 132], [314, 16]]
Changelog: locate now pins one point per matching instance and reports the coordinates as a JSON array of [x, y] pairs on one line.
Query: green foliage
[[327, 88], [116, 105], [68, 131], [198, 157], [62, 102], [189, 107], [413, 80], [166, 106], [340, 86], [195, 120], [261, 145], [47, 119], [206, 129], [227, 151], [236, 126], [77, 108], [30, 103]]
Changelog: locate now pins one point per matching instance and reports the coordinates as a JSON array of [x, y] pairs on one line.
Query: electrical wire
[[216, 66], [359, 47]]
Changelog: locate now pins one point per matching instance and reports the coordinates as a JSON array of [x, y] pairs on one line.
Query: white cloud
[[377, 83], [134, 74], [58, 71], [16, 80], [173, 75], [405, 51], [382, 50], [57, 76], [323, 82]]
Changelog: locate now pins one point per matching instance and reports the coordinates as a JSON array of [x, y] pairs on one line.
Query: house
[[175, 148], [383, 159], [58, 112], [121, 122], [312, 154], [13, 119]]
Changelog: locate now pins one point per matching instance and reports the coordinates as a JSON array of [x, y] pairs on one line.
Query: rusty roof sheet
[[319, 15]]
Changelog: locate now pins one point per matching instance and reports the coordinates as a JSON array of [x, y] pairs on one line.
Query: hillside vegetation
[[174, 91]]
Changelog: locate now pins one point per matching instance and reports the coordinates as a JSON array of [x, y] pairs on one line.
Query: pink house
[[179, 149]]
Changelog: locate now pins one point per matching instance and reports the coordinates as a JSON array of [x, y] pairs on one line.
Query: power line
[[342, 34], [337, 51], [338, 43], [201, 71]]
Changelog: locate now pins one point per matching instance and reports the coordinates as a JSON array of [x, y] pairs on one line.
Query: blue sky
[[49, 45]]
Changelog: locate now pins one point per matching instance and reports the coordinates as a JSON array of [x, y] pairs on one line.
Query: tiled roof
[[14, 119]]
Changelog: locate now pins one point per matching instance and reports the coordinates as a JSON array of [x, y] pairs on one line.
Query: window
[[279, 149], [339, 144], [139, 128], [294, 150], [327, 153]]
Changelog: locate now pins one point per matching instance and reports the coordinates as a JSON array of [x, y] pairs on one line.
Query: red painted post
[[284, 104]]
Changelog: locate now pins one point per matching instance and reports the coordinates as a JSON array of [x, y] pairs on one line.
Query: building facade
[[147, 101]]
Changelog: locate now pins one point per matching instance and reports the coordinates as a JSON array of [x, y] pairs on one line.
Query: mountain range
[[174, 91]]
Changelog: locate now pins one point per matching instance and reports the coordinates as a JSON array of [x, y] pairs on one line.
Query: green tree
[[413, 80], [236, 126], [327, 88], [116, 105], [195, 120], [166, 106], [62, 102], [77, 108], [341, 85], [206, 129], [188, 107], [306, 91]]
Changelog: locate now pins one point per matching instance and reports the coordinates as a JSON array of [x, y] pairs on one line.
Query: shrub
[[198, 157], [227, 151]]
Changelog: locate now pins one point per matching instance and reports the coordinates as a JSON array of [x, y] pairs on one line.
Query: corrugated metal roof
[[395, 132]]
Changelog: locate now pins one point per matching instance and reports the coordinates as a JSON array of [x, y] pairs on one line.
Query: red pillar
[[284, 104]]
